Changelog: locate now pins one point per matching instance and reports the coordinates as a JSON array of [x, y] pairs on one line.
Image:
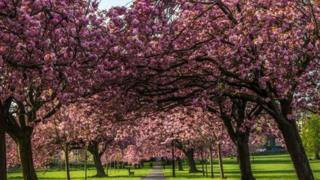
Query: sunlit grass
[[117, 174], [268, 167]]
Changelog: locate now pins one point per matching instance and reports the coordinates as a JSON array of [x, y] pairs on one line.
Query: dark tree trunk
[[192, 164], [25, 150], [202, 164], [244, 157], [67, 164], [86, 163], [94, 150], [206, 165], [173, 161], [240, 138], [98, 165], [4, 110], [220, 162], [3, 165], [180, 165], [211, 162], [316, 155], [295, 148]]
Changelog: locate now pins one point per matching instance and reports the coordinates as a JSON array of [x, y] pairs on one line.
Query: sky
[[107, 4]]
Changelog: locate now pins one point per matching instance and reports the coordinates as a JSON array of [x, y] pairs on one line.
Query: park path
[[156, 174]]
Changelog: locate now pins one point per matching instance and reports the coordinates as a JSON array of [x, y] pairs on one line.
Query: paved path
[[156, 174]]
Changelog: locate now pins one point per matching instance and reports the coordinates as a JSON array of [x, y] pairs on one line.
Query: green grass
[[267, 167], [116, 174]]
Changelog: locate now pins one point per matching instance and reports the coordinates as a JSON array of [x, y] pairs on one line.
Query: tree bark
[[25, 150], [295, 148], [206, 165], [67, 165], [192, 164], [202, 164], [211, 162], [316, 153], [4, 110], [86, 164], [98, 164], [173, 161], [180, 165], [244, 157], [93, 148], [3, 162], [220, 162], [239, 137]]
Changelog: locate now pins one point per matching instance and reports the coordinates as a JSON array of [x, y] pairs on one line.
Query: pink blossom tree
[[46, 58], [240, 49]]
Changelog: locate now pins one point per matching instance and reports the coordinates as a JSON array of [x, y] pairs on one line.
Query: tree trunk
[[4, 108], [25, 150], [295, 148], [173, 161], [67, 165], [180, 165], [316, 153], [98, 163], [192, 164], [220, 162], [93, 148], [107, 169], [244, 157], [86, 164], [3, 163], [202, 164], [211, 162], [206, 165]]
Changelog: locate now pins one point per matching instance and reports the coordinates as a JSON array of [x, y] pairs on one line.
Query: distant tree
[[311, 134]]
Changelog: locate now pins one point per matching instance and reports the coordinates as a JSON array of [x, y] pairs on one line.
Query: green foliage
[[311, 134]]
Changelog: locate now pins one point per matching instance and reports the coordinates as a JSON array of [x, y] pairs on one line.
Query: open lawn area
[[278, 167], [118, 174]]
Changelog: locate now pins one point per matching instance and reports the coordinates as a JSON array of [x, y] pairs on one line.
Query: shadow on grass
[[78, 178], [260, 161], [260, 174]]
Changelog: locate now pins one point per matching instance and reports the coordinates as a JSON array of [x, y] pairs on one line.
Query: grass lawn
[[117, 174], [268, 167]]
